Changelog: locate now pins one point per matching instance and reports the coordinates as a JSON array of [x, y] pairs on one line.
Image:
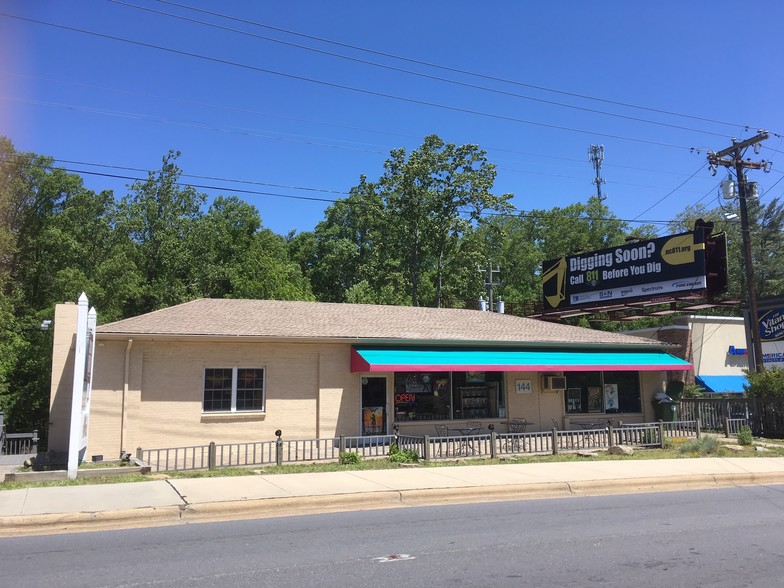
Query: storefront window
[[445, 395], [602, 392]]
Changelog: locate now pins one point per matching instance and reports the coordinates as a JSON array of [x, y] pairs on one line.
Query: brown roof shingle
[[218, 318]]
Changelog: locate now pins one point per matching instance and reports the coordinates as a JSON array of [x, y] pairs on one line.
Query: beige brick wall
[[310, 392], [61, 389]]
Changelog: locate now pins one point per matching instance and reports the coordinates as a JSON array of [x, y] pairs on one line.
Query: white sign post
[[82, 385]]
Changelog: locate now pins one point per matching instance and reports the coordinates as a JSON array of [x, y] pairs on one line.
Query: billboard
[[667, 266]]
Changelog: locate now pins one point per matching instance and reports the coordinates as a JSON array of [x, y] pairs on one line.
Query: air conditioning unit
[[555, 383]]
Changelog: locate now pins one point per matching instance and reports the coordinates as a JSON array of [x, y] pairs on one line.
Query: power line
[[217, 179], [486, 213], [451, 69], [418, 74], [260, 113], [202, 186], [344, 87], [670, 193]]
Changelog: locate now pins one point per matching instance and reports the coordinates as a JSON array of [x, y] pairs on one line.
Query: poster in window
[[574, 400], [594, 399], [611, 397], [418, 384], [372, 420], [442, 388]]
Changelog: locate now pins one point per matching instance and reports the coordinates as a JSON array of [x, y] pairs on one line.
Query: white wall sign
[[523, 386]]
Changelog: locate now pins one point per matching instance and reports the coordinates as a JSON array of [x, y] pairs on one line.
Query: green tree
[[56, 238], [765, 384], [159, 216], [432, 198], [240, 259]]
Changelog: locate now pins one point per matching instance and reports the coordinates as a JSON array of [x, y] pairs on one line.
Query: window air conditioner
[[555, 382]]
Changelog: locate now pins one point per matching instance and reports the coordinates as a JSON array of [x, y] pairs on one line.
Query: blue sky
[[300, 126]]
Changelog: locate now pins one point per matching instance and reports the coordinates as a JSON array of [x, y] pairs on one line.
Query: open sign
[[405, 398]]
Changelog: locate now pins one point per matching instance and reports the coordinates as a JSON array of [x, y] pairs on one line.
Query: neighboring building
[[237, 370], [715, 345]]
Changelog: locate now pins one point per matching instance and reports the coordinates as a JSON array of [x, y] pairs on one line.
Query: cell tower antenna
[[596, 156]]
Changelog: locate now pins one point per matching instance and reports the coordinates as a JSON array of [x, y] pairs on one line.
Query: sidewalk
[[183, 501]]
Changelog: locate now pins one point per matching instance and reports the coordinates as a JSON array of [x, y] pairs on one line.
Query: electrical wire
[[663, 198], [345, 87], [420, 74], [310, 121], [450, 69], [517, 213]]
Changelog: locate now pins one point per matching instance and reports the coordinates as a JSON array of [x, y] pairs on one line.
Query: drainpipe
[[125, 393]]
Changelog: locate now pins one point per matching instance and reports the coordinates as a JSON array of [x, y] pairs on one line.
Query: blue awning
[[722, 384]]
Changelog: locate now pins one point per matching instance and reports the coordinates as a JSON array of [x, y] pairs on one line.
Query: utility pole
[[732, 157], [596, 156], [489, 282]]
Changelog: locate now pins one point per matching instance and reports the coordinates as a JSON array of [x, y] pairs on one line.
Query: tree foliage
[[402, 239], [765, 384], [153, 248]]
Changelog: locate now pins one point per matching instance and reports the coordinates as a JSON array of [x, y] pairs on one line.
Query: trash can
[[664, 407]]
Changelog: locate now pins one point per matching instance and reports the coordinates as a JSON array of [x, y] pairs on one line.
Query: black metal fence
[[491, 444], [18, 443], [278, 452]]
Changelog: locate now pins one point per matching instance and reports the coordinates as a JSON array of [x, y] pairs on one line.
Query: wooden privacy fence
[[492, 444]]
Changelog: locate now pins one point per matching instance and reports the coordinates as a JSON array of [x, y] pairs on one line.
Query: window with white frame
[[233, 389]]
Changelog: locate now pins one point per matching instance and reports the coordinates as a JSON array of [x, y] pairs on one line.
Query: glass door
[[374, 406]]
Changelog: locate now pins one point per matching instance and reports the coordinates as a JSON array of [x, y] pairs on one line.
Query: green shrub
[[765, 384], [702, 446], [744, 436], [349, 457], [693, 391], [398, 455]]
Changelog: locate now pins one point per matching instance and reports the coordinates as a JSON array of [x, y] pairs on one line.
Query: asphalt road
[[726, 537]]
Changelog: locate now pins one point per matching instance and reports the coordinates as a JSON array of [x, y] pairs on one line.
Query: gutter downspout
[[125, 393]]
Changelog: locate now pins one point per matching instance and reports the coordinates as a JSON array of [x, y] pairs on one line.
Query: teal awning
[[413, 359]]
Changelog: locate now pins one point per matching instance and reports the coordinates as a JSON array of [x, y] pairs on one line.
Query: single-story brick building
[[237, 370]]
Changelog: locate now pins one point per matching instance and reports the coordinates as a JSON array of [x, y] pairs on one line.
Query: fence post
[[34, 446], [139, 454], [611, 433], [278, 448], [493, 443], [342, 444], [661, 433], [555, 441], [727, 427], [699, 429], [427, 448], [211, 456]]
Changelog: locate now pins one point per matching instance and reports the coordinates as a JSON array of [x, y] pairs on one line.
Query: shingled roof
[[276, 319]]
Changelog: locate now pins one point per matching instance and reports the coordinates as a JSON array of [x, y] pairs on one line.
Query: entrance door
[[374, 406]]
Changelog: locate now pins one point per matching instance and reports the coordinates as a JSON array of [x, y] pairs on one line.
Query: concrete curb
[[45, 524], [76, 522]]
